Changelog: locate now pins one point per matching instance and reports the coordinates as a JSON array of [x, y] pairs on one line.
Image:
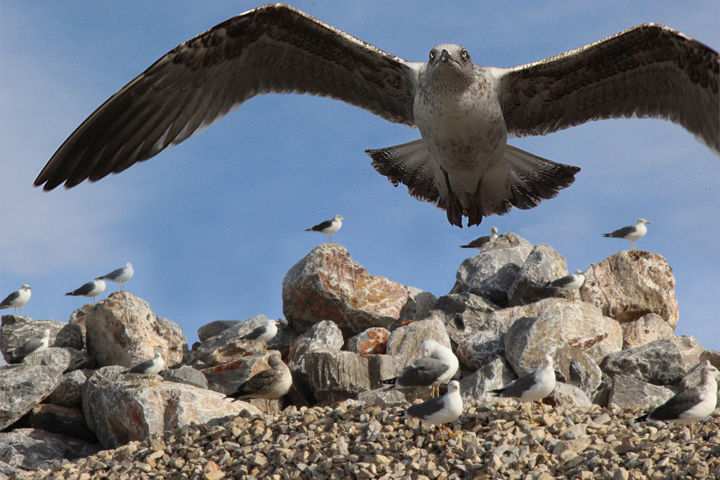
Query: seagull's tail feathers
[[497, 392], [642, 418]]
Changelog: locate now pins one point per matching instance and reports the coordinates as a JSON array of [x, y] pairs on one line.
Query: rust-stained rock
[[123, 329], [122, 407], [372, 341], [631, 284], [644, 330], [554, 325], [227, 377], [329, 285], [407, 340]]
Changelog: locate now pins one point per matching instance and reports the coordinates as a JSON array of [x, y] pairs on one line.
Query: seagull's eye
[[432, 54], [464, 55]]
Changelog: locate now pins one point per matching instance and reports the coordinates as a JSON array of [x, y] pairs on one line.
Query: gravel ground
[[491, 441]]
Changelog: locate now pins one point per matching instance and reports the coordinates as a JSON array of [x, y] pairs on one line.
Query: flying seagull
[[480, 242], [264, 333], [268, 384], [17, 299], [691, 405], [328, 227], [439, 410], [90, 289], [568, 282], [149, 367], [32, 346], [438, 365], [632, 232], [532, 387], [120, 275], [465, 112]]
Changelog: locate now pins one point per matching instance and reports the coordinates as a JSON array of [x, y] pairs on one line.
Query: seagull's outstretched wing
[[646, 71], [274, 48]]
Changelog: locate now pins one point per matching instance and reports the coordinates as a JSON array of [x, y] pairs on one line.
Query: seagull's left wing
[[646, 71], [274, 48]]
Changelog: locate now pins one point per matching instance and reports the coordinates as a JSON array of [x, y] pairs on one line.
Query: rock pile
[[344, 332]]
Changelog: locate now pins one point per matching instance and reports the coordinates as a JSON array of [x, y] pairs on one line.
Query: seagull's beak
[[444, 56]]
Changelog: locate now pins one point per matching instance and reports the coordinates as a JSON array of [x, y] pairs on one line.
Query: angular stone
[[35, 449], [65, 359], [187, 375], [486, 343], [491, 376], [554, 324], [576, 367], [123, 329], [644, 330], [662, 362], [568, 395], [630, 284], [630, 391], [22, 387], [228, 345], [336, 376], [69, 391], [418, 306], [372, 341], [542, 265], [329, 285], [18, 329], [324, 336], [215, 328], [407, 340], [59, 419], [712, 356], [491, 273], [463, 314], [379, 397], [120, 408], [227, 377]]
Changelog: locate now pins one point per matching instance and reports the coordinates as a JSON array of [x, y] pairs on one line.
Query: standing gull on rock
[[464, 112], [90, 289], [691, 405], [480, 242], [568, 282], [532, 387], [437, 366], [268, 384], [149, 367], [631, 232], [17, 299], [120, 275], [439, 410], [32, 346], [263, 333], [328, 227]]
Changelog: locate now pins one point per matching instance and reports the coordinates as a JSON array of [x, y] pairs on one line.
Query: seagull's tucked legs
[[454, 208]]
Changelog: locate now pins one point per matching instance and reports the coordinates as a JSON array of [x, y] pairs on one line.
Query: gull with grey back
[[328, 227], [90, 289], [465, 112], [32, 346], [17, 299], [631, 232], [532, 387], [119, 275], [437, 366]]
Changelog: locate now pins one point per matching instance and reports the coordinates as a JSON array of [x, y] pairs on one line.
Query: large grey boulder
[[418, 305], [329, 285], [569, 395], [542, 265], [36, 449], [644, 330], [407, 340], [491, 376], [630, 391], [123, 329], [555, 325], [486, 342], [492, 273], [215, 328], [662, 362], [186, 374], [630, 284], [337, 376], [18, 329], [60, 419], [69, 390], [463, 314], [63, 358], [121, 408], [22, 387]]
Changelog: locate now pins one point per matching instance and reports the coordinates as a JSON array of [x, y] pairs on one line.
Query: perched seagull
[[32, 346], [631, 232], [438, 365], [271, 383], [568, 282], [532, 387], [90, 289], [480, 242], [691, 405], [17, 299], [263, 333], [328, 226], [465, 112], [439, 410], [120, 275], [149, 367]]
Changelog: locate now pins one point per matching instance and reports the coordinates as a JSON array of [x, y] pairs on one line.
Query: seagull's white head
[[428, 347], [128, 265], [548, 360], [453, 386], [642, 220], [709, 371], [25, 286], [339, 218], [450, 57], [494, 230]]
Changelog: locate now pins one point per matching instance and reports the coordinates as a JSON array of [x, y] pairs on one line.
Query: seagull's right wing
[[274, 48], [9, 299]]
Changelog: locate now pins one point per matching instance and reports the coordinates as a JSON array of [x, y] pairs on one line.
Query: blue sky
[[213, 224]]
